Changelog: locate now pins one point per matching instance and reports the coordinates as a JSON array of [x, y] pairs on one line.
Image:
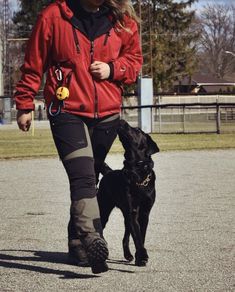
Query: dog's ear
[[152, 146]]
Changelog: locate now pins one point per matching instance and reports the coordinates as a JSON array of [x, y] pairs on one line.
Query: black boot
[[97, 253], [85, 226], [77, 256]]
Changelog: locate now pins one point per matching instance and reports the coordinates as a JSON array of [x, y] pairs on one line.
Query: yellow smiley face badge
[[62, 93]]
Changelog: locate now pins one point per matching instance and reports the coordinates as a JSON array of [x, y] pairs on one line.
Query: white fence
[[186, 114], [170, 114]]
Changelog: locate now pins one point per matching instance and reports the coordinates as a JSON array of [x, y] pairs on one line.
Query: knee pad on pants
[[81, 174]]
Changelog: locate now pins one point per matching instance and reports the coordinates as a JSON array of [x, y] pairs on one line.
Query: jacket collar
[[80, 12], [67, 13], [104, 28], [64, 9]]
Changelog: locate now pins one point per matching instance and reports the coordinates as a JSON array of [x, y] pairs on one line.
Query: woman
[[88, 48]]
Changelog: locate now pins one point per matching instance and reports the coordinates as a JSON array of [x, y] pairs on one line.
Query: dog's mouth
[[130, 137], [125, 130], [123, 134], [121, 129]]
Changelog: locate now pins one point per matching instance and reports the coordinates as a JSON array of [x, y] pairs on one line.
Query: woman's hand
[[24, 119], [100, 70]]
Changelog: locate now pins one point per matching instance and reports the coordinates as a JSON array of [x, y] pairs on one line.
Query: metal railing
[[184, 117]]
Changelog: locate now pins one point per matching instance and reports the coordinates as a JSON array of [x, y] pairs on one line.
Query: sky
[[198, 5]]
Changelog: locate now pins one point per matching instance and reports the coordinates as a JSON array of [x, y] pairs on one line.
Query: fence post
[[145, 96], [184, 119], [218, 118], [152, 119], [159, 112], [7, 110]]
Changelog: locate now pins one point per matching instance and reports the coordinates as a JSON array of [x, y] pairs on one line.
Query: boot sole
[[97, 253]]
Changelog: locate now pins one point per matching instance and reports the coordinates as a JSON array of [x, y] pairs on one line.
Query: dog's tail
[[105, 169]]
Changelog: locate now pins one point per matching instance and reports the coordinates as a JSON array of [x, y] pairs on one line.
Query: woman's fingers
[[100, 70]]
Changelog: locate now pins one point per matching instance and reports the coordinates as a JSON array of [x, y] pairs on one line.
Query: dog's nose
[[122, 123]]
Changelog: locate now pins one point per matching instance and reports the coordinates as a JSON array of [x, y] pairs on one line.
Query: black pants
[[82, 144]]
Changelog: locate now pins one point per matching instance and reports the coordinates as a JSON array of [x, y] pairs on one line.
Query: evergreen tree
[[25, 18], [167, 41]]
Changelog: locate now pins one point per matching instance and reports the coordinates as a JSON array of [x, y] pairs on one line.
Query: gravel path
[[190, 237]]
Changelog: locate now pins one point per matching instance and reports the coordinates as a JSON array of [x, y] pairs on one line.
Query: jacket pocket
[[69, 133]]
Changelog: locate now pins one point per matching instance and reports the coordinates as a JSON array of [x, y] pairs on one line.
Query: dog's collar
[[145, 182], [147, 163]]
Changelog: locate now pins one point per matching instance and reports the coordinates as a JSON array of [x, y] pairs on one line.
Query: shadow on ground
[[8, 261]]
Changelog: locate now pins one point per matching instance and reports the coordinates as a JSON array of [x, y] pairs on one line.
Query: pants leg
[[103, 134], [74, 147]]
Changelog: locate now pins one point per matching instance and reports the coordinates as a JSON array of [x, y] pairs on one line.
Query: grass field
[[17, 144]]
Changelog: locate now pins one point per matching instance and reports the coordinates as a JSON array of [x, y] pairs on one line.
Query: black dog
[[131, 189]]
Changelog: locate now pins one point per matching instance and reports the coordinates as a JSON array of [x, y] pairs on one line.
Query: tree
[[217, 36], [168, 41], [25, 18], [23, 22]]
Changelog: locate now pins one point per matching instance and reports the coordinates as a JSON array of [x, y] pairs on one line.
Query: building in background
[[203, 84]]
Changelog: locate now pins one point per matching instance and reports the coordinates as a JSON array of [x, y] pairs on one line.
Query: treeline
[[176, 40]]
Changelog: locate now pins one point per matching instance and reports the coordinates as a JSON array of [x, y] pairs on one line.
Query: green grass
[[17, 144], [168, 142]]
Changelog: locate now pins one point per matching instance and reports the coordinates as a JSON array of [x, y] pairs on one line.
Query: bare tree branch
[[217, 36]]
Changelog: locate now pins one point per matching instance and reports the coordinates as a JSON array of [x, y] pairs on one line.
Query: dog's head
[[137, 144]]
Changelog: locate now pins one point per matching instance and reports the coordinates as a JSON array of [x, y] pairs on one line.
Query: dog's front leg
[[141, 256], [143, 220], [125, 242]]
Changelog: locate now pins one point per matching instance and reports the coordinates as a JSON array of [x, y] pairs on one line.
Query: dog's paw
[[128, 256], [141, 258], [140, 262]]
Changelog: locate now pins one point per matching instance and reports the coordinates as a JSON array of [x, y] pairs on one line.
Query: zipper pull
[[76, 40], [68, 78], [106, 38], [92, 51]]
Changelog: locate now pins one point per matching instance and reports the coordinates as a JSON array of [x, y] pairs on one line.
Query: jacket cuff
[[111, 71]]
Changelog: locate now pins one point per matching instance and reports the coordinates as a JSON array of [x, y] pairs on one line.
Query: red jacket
[[53, 42]]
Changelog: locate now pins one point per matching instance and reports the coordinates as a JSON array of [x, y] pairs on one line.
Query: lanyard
[[62, 92]]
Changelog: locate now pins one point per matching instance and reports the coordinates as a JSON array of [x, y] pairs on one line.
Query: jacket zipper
[[96, 96], [92, 60], [76, 40], [106, 38]]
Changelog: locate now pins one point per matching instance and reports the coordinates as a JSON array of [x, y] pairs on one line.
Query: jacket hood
[[64, 9], [92, 25], [68, 13]]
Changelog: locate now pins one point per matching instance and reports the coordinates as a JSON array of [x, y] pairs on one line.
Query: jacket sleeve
[[127, 67], [34, 66]]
